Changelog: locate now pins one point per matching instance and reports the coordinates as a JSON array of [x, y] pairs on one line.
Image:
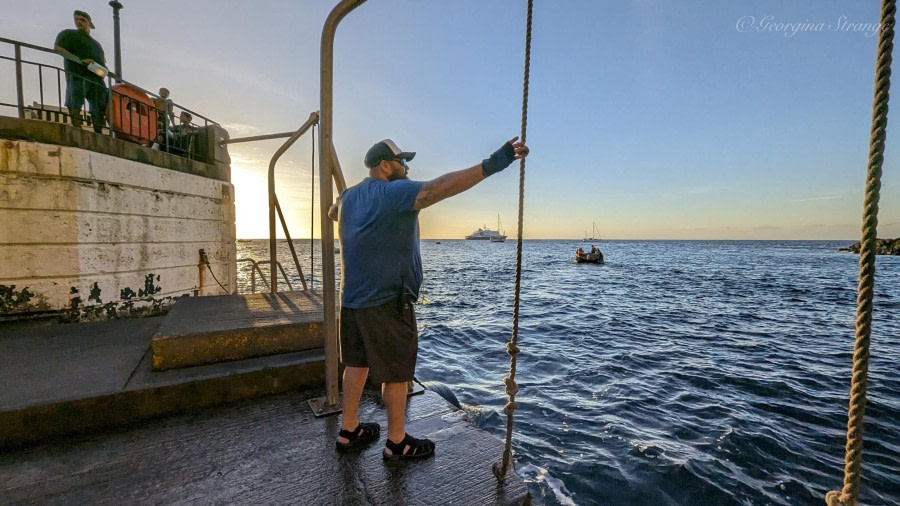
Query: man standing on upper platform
[[78, 45]]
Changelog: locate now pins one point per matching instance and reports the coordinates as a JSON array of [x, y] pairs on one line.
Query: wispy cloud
[[818, 197], [241, 130]]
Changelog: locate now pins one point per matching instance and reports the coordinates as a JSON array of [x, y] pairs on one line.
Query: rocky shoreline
[[883, 247]]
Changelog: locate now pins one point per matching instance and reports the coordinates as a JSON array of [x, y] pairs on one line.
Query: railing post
[[326, 197], [166, 129], [109, 94], [20, 94]]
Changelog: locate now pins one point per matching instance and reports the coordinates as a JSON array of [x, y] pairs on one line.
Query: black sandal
[[408, 449], [358, 438]]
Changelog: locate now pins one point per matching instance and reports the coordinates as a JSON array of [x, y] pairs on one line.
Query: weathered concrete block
[[84, 231], [98, 196]]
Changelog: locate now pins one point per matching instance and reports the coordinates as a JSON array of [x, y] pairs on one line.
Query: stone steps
[[205, 330], [63, 379]]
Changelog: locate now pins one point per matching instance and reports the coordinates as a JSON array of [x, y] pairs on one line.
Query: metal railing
[[254, 268], [283, 274], [132, 113], [275, 206], [328, 170]]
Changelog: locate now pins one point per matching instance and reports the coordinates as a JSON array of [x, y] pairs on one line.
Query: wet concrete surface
[[265, 451], [60, 379], [42, 363]]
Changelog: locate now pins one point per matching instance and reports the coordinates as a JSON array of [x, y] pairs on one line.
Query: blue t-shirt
[[379, 233]]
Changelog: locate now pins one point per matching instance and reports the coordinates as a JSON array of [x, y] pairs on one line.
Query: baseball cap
[[386, 150], [85, 15]]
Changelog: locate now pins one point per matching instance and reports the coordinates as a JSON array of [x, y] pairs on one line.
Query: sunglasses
[[401, 160]]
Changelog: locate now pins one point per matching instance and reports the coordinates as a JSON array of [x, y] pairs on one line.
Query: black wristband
[[499, 160]]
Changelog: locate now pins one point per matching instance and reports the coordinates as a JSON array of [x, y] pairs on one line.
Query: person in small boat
[[381, 268], [579, 252], [594, 250]]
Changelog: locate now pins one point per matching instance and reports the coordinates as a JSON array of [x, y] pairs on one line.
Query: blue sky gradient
[[654, 119]]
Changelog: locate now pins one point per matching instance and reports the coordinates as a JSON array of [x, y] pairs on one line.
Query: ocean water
[[679, 372]]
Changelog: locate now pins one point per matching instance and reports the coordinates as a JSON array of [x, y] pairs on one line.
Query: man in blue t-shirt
[[381, 272], [78, 46]]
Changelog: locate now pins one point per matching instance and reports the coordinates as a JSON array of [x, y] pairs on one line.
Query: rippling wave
[[680, 372]]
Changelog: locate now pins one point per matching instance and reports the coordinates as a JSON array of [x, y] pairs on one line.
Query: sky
[[651, 119]]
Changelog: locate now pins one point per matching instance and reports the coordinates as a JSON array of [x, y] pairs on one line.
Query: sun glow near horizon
[[640, 118]]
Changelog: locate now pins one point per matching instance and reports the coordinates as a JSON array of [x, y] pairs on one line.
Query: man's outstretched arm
[[448, 185], [459, 181]]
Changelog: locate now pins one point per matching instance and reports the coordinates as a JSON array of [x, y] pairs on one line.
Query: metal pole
[[290, 242], [337, 172], [313, 119], [20, 97], [117, 6], [256, 138], [326, 197], [110, 104]]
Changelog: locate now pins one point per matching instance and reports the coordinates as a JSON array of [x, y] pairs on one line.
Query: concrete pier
[[268, 451], [84, 419], [64, 379]]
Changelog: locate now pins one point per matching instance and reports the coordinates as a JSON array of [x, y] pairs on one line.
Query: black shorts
[[383, 338]]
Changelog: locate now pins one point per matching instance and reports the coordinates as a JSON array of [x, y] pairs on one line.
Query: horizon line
[[571, 239]]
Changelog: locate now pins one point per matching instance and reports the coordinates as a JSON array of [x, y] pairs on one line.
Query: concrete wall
[[91, 235]]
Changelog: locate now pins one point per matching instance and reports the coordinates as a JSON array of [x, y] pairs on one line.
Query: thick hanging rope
[[500, 468], [849, 494]]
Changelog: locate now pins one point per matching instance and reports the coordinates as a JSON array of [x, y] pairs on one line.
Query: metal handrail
[[273, 200], [20, 88], [18, 45], [283, 274], [254, 268], [327, 171], [30, 46], [253, 138]]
